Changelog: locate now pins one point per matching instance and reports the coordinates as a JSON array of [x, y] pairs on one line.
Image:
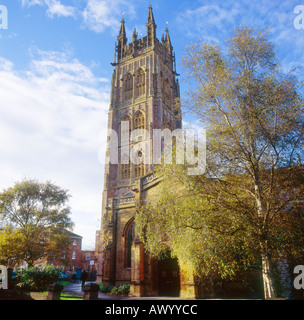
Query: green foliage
[[107, 289], [114, 290], [248, 205], [11, 247], [30, 202], [124, 289], [34, 213], [100, 286], [37, 278], [188, 218]]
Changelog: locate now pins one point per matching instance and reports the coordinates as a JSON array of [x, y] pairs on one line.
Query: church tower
[[144, 97]]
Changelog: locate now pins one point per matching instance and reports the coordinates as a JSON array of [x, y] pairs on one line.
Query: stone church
[[144, 91]]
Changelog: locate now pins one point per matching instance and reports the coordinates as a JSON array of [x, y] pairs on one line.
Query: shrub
[[114, 290], [100, 286], [124, 289], [37, 278], [107, 289]]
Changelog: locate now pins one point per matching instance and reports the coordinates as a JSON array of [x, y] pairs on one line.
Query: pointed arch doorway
[[168, 277]]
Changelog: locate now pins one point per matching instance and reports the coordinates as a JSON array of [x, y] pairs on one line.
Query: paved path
[[75, 289]]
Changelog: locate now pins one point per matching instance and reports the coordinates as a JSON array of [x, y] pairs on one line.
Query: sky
[[55, 77]]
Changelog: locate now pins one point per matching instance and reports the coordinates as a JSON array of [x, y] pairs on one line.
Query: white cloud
[[214, 22], [209, 17], [31, 2], [5, 65], [97, 15], [54, 7], [102, 14], [50, 124], [216, 19]]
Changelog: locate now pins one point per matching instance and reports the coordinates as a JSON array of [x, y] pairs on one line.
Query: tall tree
[[253, 184], [35, 213], [254, 116]]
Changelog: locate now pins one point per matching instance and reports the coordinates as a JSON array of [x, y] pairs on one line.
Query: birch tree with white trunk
[[253, 114]]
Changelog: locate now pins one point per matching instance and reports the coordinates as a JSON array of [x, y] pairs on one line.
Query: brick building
[[70, 259], [75, 259]]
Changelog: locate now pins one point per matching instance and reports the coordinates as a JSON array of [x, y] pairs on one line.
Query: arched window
[[139, 123], [125, 137], [127, 118], [128, 86], [167, 92], [125, 171], [140, 83], [139, 120], [139, 166], [162, 81], [139, 170], [129, 235]]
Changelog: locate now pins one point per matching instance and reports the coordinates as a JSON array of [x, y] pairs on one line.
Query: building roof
[[71, 234]]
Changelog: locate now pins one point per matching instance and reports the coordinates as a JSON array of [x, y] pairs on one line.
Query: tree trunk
[[268, 284], [266, 267]]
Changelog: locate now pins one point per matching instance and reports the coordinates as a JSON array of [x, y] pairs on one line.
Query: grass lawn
[[64, 296]]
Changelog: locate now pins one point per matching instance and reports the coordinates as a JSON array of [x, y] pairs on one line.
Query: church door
[[168, 277]]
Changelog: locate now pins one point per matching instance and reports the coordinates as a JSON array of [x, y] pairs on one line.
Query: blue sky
[[55, 78]]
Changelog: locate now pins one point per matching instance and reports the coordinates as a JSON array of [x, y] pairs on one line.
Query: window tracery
[[128, 86], [140, 83]]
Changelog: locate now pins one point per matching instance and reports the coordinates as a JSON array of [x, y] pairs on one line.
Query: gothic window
[[125, 171], [128, 245], [139, 170], [139, 120], [167, 92], [139, 124], [128, 86], [140, 83], [125, 136], [127, 118], [125, 168], [162, 81]]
